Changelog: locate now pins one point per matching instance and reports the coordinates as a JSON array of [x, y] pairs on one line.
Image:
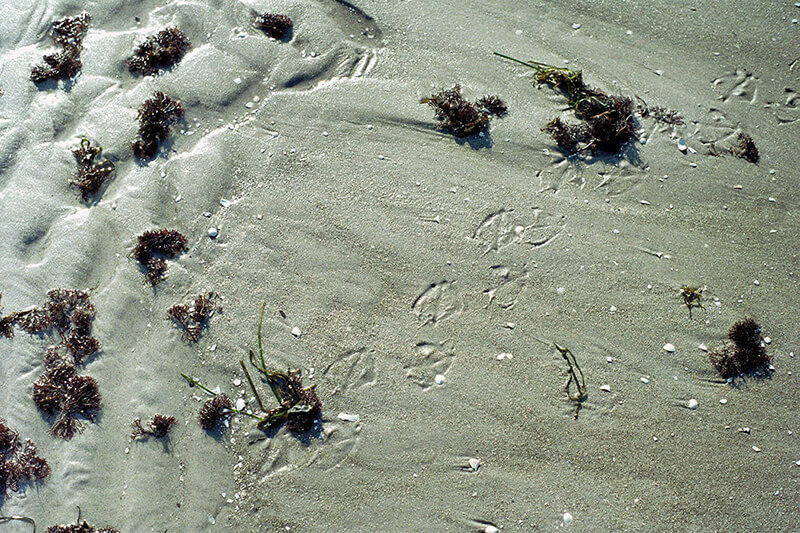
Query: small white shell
[[567, 518], [225, 203], [606, 388], [644, 380], [213, 232], [240, 404], [669, 347], [682, 146], [490, 529], [296, 332], [474, 464], [703, 347], [439, 379], [348, 417], [692, 404]]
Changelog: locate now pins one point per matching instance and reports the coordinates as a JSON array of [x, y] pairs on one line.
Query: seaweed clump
[[82, 527], [192, 319], [18, 461], [607, 121], [154, 248], [156, 115], [692, 297], [298, 407], [69, 312], [745, 148], [747, 355], [159, 51], [273, 25], [159, 427], [91, 175], [60, 389], [67, 33], [462, 117]]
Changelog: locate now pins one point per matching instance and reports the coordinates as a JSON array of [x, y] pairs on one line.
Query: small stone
[[644, 380], [567, 518], [613, 308], [213, 232], [237, 382], [439, 379], [767, 340], [692, 404], [296, 332], [723, 401], [669, 347], [576, 26], [490, 529], [755, 282], [240, 403]]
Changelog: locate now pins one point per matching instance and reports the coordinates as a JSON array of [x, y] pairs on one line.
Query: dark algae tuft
[[461, 117], [19, 462], [61, 390], [67, 33], [192, 319], [274, 25], [215, 410], [745, 148], [156, 115], [154, 248], [747, 355], [159, 51], [159, 427]]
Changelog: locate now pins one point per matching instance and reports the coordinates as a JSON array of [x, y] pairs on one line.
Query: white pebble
[[490, 529], [567, 518], [348, 417], [756, 449], [237, 382], [237, 81], [296, 332], [644, 202], [576, 26], [225, 203], [213, 232], [669, 347], [240, 404], [439, 379], [755, 282], [723, 401], [613, 308], [692, 404], [606, 388], [644, 380], [767, 340]]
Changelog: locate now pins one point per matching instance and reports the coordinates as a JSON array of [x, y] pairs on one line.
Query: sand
[[401, 253]]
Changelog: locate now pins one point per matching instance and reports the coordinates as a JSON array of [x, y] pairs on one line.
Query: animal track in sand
[[738, 85], [507, 286], [283, 453], [430, 359], [352, 370], [503, 228], [436, 303]]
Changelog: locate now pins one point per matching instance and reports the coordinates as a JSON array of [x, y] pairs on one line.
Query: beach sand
[[401, 253]]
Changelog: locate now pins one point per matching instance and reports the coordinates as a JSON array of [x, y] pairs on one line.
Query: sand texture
[[400, 266]]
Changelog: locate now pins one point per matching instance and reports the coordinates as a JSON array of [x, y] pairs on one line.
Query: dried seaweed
[[19, 462], [156, 116], [82, 527], [67, 33], [298, 407], [607, 121], [154, 247], [460, 116], [692, 297], [61, 390], [745, 148], [192, 319], [159, 51], [159, 427], [659, 114], [746, 356], [91, 175], [575, 386], [273, 25]]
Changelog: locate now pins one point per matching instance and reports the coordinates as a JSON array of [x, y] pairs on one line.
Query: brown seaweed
[[19, 462], [159, 51], [61, 390], [67, 33], [746, 356], [156, 116], [461, 117], [91, 175], [159, 427], [276, 26], [154, 248], [192, 319]]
